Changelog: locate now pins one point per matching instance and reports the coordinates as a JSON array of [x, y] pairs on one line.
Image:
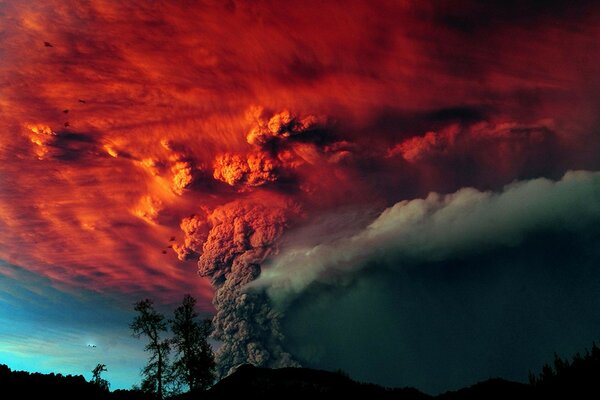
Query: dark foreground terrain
[[576, 379]]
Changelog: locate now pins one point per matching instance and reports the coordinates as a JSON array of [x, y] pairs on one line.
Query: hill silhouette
[[25, 385], [491, 389], [577, 378], [254, 381]]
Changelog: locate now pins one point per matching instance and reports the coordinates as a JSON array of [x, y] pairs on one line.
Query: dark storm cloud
[[444, 291], [71, 146], [449, 324], [394, 123], [472, 17]]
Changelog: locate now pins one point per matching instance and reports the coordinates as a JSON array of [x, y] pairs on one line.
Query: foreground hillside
[[24, 385], [576, 379], [254, 381]]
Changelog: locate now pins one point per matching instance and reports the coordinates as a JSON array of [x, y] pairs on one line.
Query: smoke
[[195, 229], [231, 243], [281, 145], [522, 142], [280, 126], [255, 169], [437, 228], [182, 176]]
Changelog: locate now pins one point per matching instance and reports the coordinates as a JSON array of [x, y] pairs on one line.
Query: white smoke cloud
[[439, 227]]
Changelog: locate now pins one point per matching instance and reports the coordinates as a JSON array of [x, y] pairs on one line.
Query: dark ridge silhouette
[[491, 389], [250, 381], [24, 385], [20, 385], [121, 394], [578, 378]]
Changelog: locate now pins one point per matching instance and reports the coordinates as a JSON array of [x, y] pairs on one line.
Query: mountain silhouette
[[577, 378], [253, 381]]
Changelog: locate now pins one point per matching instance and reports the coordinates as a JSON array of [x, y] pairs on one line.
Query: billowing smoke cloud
[[195, 229], [255, 169], [496, 141], [182, 176], [282, 143], [438, 228], [279, 127], [232, 242]]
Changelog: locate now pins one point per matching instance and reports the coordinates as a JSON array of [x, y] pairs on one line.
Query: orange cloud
[[254, 169], [182, 176], [195, 229], [157, 123]]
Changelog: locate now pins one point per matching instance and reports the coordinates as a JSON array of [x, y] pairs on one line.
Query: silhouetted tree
[[151, 324], [195, 361], [97, 378]]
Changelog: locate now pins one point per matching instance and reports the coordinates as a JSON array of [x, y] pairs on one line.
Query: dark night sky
[[415, 178]]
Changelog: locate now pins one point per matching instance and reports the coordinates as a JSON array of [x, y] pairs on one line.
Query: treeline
[[25, 385], [575, 378], [36, 383], [566, 378]]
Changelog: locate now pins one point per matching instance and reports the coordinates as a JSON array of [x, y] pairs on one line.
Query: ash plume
[[231, 242], [254, 170], [280, 144]]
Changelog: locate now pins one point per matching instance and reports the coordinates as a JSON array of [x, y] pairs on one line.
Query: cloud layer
[[440, 227], [111, 138]]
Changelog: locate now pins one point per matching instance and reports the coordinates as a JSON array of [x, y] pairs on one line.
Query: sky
[[406, 191]]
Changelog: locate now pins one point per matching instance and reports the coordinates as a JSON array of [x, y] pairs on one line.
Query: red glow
[[164, 98]]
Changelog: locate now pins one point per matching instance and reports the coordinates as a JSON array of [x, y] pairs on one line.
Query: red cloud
[[253, 169], [158, 98]]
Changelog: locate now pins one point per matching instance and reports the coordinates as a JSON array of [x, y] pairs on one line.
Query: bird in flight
[[48, 44], [82, 101]]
